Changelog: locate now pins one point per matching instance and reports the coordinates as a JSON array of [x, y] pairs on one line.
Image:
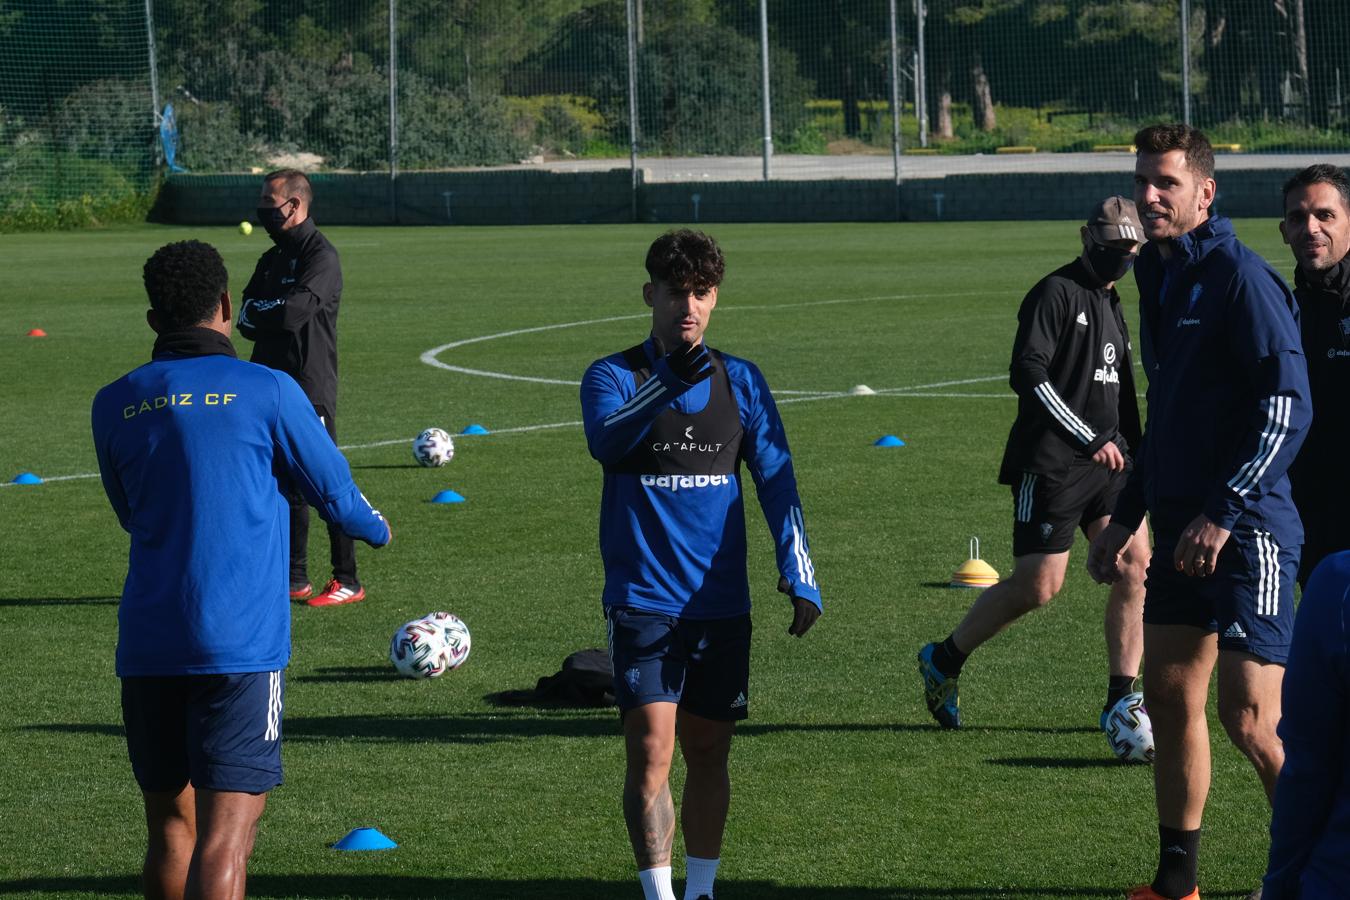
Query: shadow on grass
[[1053, 762], [411, 465], [490, 727], [59, 601], [356, 885], [349, 673]]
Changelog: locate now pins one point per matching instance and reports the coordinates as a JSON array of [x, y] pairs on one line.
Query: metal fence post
[[154, 74], [920, 73], [393, 110], [632, 108], [895, 108], [764, 59], [1186, 61]]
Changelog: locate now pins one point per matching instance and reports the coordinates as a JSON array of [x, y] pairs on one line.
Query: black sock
[[1178, 861], [947, 659], [1118, 687]]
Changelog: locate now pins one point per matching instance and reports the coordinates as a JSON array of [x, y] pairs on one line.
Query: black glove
[[691, 363]]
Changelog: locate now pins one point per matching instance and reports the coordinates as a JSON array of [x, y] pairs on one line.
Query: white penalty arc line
[[430, 356]]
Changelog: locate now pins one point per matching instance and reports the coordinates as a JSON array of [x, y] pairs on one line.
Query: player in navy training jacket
[[1310, 829], [191, 447], [1228, 407], [671, 421], [1316, 226]]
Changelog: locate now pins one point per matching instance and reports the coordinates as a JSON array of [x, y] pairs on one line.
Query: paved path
[[809, 168]]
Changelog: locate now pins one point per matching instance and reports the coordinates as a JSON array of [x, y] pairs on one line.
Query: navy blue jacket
[[1310, 825], [1228, 399], [190, 448]]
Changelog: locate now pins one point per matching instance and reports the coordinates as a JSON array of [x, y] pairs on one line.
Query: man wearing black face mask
[[289, 311], [1066, 460]]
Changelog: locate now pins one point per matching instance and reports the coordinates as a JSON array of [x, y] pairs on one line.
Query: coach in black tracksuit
[[1066, 460], [1316, 226], [289, 310]]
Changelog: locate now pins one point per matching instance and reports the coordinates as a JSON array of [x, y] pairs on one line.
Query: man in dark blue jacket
[[190, 448], [1316, 226], [1228, 407], [1310, 828]]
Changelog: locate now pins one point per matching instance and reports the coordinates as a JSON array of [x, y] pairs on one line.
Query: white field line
[[429, 357]]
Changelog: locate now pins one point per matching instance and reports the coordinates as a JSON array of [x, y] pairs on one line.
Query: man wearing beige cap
[[1066, 460]]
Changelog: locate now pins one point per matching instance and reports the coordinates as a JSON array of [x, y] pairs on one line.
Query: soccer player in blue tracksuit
[[190, 447], [1228, 407], [1310, 828], [671, 421]]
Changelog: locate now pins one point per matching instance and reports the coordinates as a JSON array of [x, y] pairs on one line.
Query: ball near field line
[[245, 228]]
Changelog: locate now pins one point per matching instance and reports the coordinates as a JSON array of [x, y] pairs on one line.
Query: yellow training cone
[[974, 572]]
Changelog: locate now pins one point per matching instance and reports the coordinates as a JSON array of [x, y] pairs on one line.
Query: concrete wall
[[536, 197]]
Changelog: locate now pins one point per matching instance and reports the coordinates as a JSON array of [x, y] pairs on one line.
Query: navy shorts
[[701, 664], [1048, 510], [220, 732], [1248, 601]]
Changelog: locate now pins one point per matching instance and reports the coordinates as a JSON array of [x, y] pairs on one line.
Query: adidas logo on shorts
[[1235, 631], [739, 702]]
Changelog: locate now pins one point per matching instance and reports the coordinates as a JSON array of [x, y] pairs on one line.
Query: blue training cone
[[888, 440], [26, 478], [475, 428], [447, 497], [365, 839]]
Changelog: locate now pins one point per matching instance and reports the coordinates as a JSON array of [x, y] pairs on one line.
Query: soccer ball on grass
[[429, 646], [433, 448]]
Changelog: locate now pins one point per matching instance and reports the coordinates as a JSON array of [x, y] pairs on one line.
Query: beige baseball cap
[[1115, 219]]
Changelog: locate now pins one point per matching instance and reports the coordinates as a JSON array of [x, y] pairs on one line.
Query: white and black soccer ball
[[433, 447], [419, 650], [1129, 730], [456, 635]]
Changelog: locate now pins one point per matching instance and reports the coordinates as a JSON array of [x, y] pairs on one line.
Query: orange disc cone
[[37, 332]]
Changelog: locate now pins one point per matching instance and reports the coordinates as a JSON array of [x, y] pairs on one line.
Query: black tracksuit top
[[1318, 473], [289, 310], [1072, 371]]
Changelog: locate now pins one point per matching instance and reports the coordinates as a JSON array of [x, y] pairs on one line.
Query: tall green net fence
[[77, 116], [99, 98]]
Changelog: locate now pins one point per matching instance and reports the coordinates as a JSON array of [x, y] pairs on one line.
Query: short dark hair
[[184, 281], [686, 259], [294, 182], [1176, 136], [1321, 173]]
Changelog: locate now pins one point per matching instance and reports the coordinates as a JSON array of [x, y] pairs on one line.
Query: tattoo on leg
[[651, 826]]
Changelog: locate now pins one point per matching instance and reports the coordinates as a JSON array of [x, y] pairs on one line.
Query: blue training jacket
[[190, 449], [672, 544], [1228, 399], [1310, 823]]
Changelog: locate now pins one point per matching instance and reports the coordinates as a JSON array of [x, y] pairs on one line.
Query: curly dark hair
[[184, 281], [1322, 173], [686, 259], [1176, 136]]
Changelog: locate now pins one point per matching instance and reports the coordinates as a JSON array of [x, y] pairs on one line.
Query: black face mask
[[1108, 263], [272, 218]]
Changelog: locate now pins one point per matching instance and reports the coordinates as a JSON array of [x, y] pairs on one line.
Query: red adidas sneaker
[[336, 594]]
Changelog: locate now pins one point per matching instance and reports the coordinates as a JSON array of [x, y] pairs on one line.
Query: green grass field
[[842, 785]]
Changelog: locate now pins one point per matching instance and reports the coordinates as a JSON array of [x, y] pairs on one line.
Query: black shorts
[[1047, 510], [220, 732], [1248, 601], [703, 665]]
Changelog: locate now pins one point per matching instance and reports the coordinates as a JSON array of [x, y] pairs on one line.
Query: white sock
[[699, 875], [656, 883]]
